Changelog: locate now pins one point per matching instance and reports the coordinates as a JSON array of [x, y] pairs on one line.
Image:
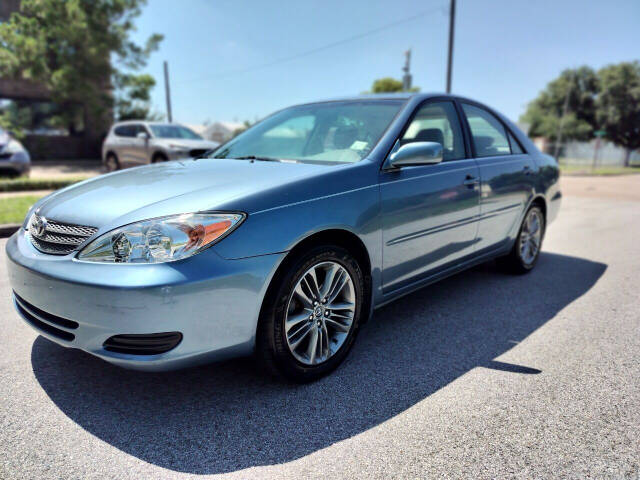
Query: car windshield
[[341, 132], [174, 131]]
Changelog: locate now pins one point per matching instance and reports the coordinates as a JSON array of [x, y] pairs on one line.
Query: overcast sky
[[505, 50]]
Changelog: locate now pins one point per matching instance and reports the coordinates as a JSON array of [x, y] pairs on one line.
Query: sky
[[232, 60]]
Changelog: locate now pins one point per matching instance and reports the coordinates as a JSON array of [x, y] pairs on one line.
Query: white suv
[[135, 143]]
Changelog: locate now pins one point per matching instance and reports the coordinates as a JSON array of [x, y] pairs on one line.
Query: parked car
[[135, 143], [14, 158], [285, 239]]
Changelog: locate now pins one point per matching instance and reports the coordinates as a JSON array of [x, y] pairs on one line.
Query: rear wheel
[[312, 318], [111, 163], [526, 250]]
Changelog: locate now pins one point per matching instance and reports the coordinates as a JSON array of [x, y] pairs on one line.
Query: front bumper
[[213, 302]]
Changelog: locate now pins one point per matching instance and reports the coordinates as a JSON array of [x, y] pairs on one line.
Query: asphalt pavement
[[483, 375]]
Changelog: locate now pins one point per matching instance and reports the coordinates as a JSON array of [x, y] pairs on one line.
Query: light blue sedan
[[284, 240]]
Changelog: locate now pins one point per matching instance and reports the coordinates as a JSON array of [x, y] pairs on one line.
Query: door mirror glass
[[416, 153], [143, 135]]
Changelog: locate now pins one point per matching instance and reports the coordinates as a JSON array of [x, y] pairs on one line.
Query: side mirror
[[416, 153], [142, 135]]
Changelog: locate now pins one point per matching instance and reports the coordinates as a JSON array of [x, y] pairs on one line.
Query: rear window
[[489, 136], [125, 131]]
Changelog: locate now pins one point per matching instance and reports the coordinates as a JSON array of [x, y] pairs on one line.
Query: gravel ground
[[483, 375]]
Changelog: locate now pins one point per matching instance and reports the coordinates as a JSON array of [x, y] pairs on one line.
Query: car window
[[173, 131], [516, 149], [125, 131], [340, 132], [489, 135], [437, 122]]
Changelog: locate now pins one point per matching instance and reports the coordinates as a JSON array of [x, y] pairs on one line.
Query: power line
[[317, 49]]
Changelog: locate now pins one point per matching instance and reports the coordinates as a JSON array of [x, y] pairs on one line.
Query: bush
[[23, 184]]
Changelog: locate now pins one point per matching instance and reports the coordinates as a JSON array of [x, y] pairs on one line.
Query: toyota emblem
[[39, 226]]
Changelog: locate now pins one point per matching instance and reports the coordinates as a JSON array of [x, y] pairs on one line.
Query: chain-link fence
[[596, 153]]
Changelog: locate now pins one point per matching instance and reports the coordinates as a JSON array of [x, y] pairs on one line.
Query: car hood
[[183, 187]]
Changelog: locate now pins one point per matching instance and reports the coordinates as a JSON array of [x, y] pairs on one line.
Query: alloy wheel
[[530, 237], [320, 313]]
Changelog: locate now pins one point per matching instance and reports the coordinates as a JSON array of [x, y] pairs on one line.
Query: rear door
[[505, 175], [139, 146], [429, 212], [124, 134]]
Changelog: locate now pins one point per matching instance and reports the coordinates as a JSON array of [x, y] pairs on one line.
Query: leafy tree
[[389, 85], [544, 114], [246, 124], [133, 97], [619, 105], [74, 49]]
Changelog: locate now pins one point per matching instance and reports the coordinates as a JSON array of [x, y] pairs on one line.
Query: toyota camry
[[284, 240]]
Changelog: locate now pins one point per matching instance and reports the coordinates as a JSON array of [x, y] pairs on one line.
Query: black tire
[[513, 262], [272, 348], [111, 163], [159, 157]]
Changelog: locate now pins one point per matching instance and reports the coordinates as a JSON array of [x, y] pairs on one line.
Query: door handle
[[527, 170], [471, 181]]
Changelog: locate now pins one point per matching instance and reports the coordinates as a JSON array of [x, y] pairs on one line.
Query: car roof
[[381, 96]]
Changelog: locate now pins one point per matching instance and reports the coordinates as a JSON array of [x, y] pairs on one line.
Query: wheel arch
[[540, 201], [333, 236], [158, 154]]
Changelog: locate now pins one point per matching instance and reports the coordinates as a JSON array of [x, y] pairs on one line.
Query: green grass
[[587, 170], [14, 209], [23, 184]]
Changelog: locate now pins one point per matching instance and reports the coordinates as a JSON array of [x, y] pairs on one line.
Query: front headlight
[[162, 239], [13, 146]]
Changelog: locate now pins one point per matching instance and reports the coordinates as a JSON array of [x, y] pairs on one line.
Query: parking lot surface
[[483, 375]]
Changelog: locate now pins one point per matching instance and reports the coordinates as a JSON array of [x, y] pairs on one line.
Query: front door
[[429, 212]]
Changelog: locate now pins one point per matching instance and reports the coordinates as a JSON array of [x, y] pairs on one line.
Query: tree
[[246, 124], [133, 97], [544, 114], [388, 84], [70, 48], [619, 105]]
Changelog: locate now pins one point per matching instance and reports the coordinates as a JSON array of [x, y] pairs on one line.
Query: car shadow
[[227, 417]]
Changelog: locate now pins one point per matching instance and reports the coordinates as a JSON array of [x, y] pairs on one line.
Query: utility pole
[[406, 78], [167, 91], [452, 16]]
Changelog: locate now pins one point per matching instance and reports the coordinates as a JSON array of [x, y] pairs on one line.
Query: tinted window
[[174, 131], [125, 131], [516, 149], [342, 132], [437, 122], [489, 135]]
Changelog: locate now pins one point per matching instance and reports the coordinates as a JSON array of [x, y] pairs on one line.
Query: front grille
[[57, 238], [198, 152], [44, 321], [143, 344]]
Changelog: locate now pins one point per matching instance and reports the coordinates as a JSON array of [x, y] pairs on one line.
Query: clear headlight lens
[[162, 239]]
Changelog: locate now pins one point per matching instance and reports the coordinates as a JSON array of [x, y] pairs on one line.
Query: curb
[[8, 229]]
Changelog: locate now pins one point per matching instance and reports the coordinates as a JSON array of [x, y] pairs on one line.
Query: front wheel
[[526, 250], [311, 321]]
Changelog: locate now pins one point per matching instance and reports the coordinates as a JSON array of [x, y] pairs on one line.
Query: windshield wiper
[[254, 157]]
